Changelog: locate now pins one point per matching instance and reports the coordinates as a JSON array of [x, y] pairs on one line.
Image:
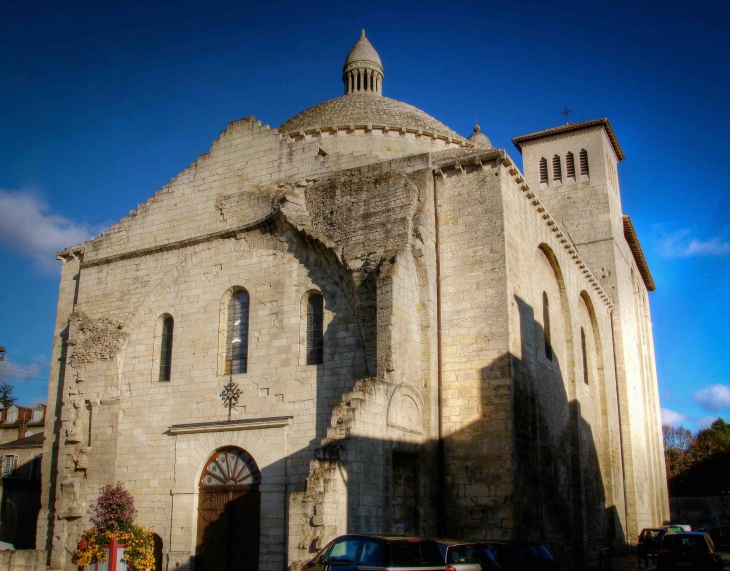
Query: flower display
[[113, 517]]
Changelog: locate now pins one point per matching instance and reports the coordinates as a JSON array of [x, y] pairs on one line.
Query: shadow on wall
[[21, 502], [553, 488]]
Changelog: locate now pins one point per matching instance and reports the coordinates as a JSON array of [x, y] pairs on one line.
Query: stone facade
[[486, 361]]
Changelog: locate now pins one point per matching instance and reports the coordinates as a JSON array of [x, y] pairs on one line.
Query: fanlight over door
[[229, 508]]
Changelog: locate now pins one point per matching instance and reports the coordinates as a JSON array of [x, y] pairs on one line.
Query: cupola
[[479, 139], [363, 71]]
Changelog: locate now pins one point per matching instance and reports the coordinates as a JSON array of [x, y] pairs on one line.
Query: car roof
[[461, 541], [385, 536], [686, 533]]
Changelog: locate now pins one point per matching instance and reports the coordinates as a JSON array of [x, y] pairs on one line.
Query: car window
[[345, 549], [414, 553], [501, 554], [372, 554], [461, 554], [685, 542], [534, 552], [323, 554]]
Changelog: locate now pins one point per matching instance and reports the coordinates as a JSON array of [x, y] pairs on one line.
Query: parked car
[[688, 550], [650, 539], [382, 552], [516, 556], [721, 538], [463, 556]]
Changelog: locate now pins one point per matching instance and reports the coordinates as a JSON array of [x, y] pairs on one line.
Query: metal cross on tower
[[565, 112], [230, 395]]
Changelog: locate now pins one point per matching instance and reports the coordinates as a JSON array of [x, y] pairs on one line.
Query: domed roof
[[479, 139], [363, 50], [366, 109]]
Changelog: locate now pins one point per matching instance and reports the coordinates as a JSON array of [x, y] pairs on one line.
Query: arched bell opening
[[229, 512]]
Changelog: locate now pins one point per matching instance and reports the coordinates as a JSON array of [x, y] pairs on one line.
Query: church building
[[415, 335]]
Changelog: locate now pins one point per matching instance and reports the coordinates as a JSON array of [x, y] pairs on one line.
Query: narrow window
[[237, 338], [546, 326], [584, 162], [166, 348], [557, 172], [9, 464], [543, 171], [570, 166], [315, 329], [585, 356]]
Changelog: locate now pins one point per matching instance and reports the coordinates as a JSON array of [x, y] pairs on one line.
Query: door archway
[[229, 510]]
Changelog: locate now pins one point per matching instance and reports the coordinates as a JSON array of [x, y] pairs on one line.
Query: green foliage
[[6, 395], [721, 426], [697, 465]]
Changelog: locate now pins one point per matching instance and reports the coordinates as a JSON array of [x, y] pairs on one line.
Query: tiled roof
[[34, 441], [363, 109], [633, 242], [574, 127]]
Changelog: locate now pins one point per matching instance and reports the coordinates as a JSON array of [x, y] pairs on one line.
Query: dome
[[479, 139], [363, 50], [366, 109]]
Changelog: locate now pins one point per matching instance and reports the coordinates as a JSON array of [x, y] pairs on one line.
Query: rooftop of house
[[34, 441]]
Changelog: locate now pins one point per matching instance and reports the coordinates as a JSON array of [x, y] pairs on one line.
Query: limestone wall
[[589, 208]]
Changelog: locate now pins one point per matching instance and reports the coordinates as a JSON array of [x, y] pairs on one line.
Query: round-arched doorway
[[229, 509]]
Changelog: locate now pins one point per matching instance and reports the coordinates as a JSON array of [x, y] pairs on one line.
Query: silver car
[[466, 556]]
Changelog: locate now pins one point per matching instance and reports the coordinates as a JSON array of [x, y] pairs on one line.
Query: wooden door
[[229, 512]]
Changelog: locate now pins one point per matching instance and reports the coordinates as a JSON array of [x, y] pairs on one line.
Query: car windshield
[[414, 554], [685, 543]]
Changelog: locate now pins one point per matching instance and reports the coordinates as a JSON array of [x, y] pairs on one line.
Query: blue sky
[[101, 103]]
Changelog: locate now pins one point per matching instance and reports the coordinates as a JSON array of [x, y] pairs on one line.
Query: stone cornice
[[633, 241], [228, 425]]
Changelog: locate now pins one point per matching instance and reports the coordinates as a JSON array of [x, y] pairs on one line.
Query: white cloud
[[29, 229], [713, 398], [705, 422], [681, 244], [12, 371], [672, 418]]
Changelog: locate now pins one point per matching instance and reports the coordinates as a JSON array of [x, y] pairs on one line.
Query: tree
[[676, 437], [6, 395], [697, 464], [721, 426]]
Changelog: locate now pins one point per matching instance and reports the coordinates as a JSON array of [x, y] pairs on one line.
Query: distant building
[[20, 421], [20, 488], [426, 338]]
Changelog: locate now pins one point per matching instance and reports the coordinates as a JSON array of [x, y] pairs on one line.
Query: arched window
[[585, 355], [570, 166], [315, 329], [583, 157], [166, 347], [546, 326], [237, 333], [543, 171], [557, 171]]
